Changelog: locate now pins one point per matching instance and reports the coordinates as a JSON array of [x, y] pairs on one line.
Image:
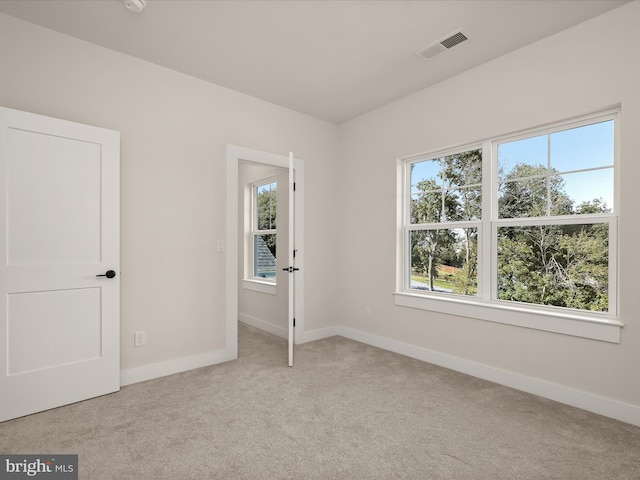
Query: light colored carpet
[[345, 411]]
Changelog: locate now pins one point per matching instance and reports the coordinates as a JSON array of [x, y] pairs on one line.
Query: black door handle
[[108, 274]]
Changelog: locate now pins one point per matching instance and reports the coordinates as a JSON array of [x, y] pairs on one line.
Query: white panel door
[[59, 310]]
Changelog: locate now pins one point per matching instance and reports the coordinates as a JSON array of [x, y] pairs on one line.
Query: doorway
[[263, 302], [263, 242]]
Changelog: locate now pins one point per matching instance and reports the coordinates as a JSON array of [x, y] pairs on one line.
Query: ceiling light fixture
[[135, 6]]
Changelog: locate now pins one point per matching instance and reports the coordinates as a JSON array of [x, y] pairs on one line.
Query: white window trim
[[593, 325], [540, 318], [261, 286]]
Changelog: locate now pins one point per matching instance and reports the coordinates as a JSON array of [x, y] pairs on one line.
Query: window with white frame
[[526, 221], [444, 215], [263, 230]]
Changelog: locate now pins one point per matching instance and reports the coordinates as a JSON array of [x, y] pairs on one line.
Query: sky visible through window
[[576, 150], [573, 153]]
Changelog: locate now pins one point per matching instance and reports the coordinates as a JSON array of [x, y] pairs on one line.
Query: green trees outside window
[[452, 192], [264, 231], [560, 265], [548, 226]]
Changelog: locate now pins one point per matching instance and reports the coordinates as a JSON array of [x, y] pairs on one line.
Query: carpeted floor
[[345, 411]]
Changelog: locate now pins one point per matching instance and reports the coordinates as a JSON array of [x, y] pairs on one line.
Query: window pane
[[523, 198], [426, 175], [463, 169], [589, 192], [264, 256], [427, 207], [468, 203], [523, 167], [585, 147], [560, 265], [532, 152], [266, 206], [444, 260], [447, 189]]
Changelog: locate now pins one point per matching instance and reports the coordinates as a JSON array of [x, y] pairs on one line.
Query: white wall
[[585, 69], [268, 311], [174, 131]]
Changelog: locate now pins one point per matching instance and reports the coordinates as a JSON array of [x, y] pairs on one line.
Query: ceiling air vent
[[442, 45]]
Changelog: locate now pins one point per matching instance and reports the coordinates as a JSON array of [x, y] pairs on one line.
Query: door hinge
[[294, 322], [294, 186]]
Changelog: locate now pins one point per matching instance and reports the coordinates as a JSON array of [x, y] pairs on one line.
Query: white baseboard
[[586, 401], [178, 365], [319, 334], [262, 325]]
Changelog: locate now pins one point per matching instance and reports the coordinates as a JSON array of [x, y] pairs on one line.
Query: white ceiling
[[330, 59]]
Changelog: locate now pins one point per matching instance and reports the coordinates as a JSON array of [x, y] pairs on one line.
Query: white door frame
[[235, 154]]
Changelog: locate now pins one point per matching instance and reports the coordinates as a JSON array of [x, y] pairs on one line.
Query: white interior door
[[59, 212], [292, 259]]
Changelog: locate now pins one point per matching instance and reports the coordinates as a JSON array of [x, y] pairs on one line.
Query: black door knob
[[108, 274]]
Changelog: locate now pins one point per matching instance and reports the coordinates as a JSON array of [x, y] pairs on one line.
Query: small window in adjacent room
[[263, 231], [520, 229]]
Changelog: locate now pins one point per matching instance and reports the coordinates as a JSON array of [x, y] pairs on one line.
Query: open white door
[[292, 258], [59, 263]]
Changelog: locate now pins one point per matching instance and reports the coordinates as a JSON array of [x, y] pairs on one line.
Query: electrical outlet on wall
[[367, 312], [139, 339]]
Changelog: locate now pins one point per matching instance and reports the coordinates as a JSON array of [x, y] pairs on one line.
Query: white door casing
[[59, 212]]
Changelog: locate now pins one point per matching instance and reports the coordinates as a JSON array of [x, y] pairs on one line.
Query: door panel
[[53, 217], [52, 328], [59, 212]]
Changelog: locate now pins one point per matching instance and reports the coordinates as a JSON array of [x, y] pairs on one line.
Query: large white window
[[263, 230], [518, 229]]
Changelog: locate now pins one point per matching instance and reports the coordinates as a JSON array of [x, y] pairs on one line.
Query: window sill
[[260, 286], [602, 328]]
